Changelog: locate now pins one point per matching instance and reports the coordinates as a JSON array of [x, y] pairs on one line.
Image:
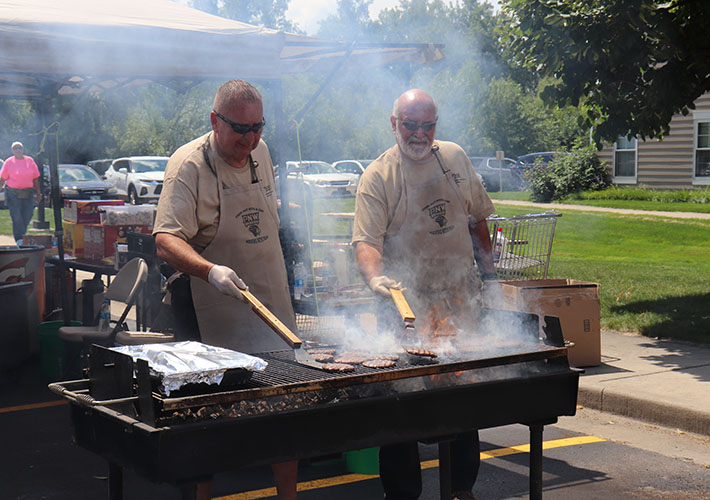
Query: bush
[[701, 195], [568, 173]]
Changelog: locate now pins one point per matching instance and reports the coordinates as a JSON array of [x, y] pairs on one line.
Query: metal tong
[[282, 330]]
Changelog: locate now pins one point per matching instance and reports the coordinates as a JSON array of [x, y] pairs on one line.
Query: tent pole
[[45, 106]]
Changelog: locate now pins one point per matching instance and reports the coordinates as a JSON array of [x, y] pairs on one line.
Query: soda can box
[[86, 211]]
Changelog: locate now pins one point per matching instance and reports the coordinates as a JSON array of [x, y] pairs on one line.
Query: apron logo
[[250, 218], [436, 210]]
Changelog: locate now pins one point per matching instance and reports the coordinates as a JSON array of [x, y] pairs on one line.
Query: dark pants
[[401, 475], [21, 211]]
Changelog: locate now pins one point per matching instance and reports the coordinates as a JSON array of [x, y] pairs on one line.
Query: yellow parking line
[[427, 464], [34, 406]]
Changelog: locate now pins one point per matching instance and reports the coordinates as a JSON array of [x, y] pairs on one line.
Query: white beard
[[413, 149]]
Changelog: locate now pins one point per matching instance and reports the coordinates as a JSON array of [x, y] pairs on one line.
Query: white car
[[321, 179], [138, 178], [352, 166]]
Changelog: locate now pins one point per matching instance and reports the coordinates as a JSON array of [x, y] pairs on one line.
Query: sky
[[307, 13]]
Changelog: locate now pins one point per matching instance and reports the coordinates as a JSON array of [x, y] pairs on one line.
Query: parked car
[[101, 166], [321, 179], [79, 182], [493, 172], [356, 167], [138, 178], [531, 158]]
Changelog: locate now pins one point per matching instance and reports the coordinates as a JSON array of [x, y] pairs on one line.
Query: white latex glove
[[225, 280], [380, 285], [492, 294]]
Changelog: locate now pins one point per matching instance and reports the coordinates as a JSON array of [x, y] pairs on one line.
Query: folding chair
[[125, 288]]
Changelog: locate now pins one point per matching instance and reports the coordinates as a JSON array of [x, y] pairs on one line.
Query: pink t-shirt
[[19, 174]]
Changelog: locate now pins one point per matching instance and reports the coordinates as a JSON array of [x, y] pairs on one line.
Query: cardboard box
[[99, 240], [575, 302], [73, 239], [86, 211]]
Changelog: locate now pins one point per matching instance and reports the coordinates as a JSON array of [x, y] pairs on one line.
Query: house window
[[625, 159], [702, 150]]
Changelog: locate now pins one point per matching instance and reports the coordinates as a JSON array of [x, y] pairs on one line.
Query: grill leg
[[536, 461], [115, 482], [445, 470]]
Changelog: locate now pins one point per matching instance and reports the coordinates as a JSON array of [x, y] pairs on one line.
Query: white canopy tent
[[104, 42]]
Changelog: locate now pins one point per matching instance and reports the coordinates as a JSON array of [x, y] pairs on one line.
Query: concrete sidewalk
[[658, 381]]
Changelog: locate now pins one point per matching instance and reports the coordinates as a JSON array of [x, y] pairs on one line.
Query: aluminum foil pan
[[181, 363]]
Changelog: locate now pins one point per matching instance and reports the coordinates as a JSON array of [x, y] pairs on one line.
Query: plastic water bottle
[[299, 280], [498, 246], [104, 316]]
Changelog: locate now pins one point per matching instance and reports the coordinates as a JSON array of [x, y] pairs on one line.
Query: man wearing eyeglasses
[[217, 222], [420, 223]]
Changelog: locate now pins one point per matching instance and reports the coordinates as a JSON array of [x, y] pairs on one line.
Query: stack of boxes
[[93, 229], [77, 215], [101, 240]]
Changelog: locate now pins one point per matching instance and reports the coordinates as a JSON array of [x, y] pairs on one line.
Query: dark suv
[[493, 172]]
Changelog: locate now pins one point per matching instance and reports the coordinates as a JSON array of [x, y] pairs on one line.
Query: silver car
[[321, 179]]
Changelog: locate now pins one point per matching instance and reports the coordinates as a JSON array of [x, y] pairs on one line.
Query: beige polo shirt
[[189, 203], [380, 204]]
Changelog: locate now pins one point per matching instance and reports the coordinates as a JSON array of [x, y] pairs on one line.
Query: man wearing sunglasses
[[420, 223], [217, 223]]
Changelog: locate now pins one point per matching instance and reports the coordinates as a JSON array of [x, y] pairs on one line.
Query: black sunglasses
[[414, 126], [242, 128], [18, 147]]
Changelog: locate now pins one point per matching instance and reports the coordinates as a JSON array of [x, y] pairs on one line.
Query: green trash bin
[[54, 352], [365, 461]]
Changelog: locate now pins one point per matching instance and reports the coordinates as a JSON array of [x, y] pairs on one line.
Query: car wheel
[[133, 196]]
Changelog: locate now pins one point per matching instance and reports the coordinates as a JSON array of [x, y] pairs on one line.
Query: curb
[[653, 412]]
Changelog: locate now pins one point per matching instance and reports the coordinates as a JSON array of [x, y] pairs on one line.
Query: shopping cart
[[522, 244]]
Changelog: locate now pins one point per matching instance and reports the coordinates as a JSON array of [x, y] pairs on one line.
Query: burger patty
[[420, 351], [353, 358], [322, 350], [322, 357], [379, 363], [338, 367]]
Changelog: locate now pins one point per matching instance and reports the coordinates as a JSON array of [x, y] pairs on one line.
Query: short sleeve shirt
[[189, 203], [380, 205], [19, 173]]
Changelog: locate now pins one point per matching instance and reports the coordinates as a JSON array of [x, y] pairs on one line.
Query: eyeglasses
[[18, 147], [414, 126], [242, 128]]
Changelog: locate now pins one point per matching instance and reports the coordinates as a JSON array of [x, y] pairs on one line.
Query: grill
[[339, 183], [290, 411]]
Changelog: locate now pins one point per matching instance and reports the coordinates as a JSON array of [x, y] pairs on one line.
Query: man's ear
[[393, 121]]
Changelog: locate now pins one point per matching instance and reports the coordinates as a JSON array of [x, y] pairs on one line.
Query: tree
[[631, 63], [268, 13]]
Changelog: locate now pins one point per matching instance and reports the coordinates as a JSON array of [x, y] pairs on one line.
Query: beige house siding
[[669, 163]]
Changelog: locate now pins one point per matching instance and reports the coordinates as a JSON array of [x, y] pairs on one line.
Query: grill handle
[[85, 399]]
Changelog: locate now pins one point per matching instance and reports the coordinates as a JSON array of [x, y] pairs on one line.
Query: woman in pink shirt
[[20, 176]]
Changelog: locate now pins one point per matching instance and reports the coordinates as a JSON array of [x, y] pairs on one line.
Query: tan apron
[[431, 253], [247, 240]]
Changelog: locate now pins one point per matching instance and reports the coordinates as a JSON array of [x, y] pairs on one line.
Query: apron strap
[[253, 164], [446, 171]]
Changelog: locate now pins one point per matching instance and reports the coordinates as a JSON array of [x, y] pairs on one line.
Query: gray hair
[[234, 91]]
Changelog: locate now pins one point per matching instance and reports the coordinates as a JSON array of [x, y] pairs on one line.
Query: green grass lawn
[[6, 222]]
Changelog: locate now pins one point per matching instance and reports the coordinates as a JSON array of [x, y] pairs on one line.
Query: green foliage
[[633, 64], [701, 196], [572, 172]]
